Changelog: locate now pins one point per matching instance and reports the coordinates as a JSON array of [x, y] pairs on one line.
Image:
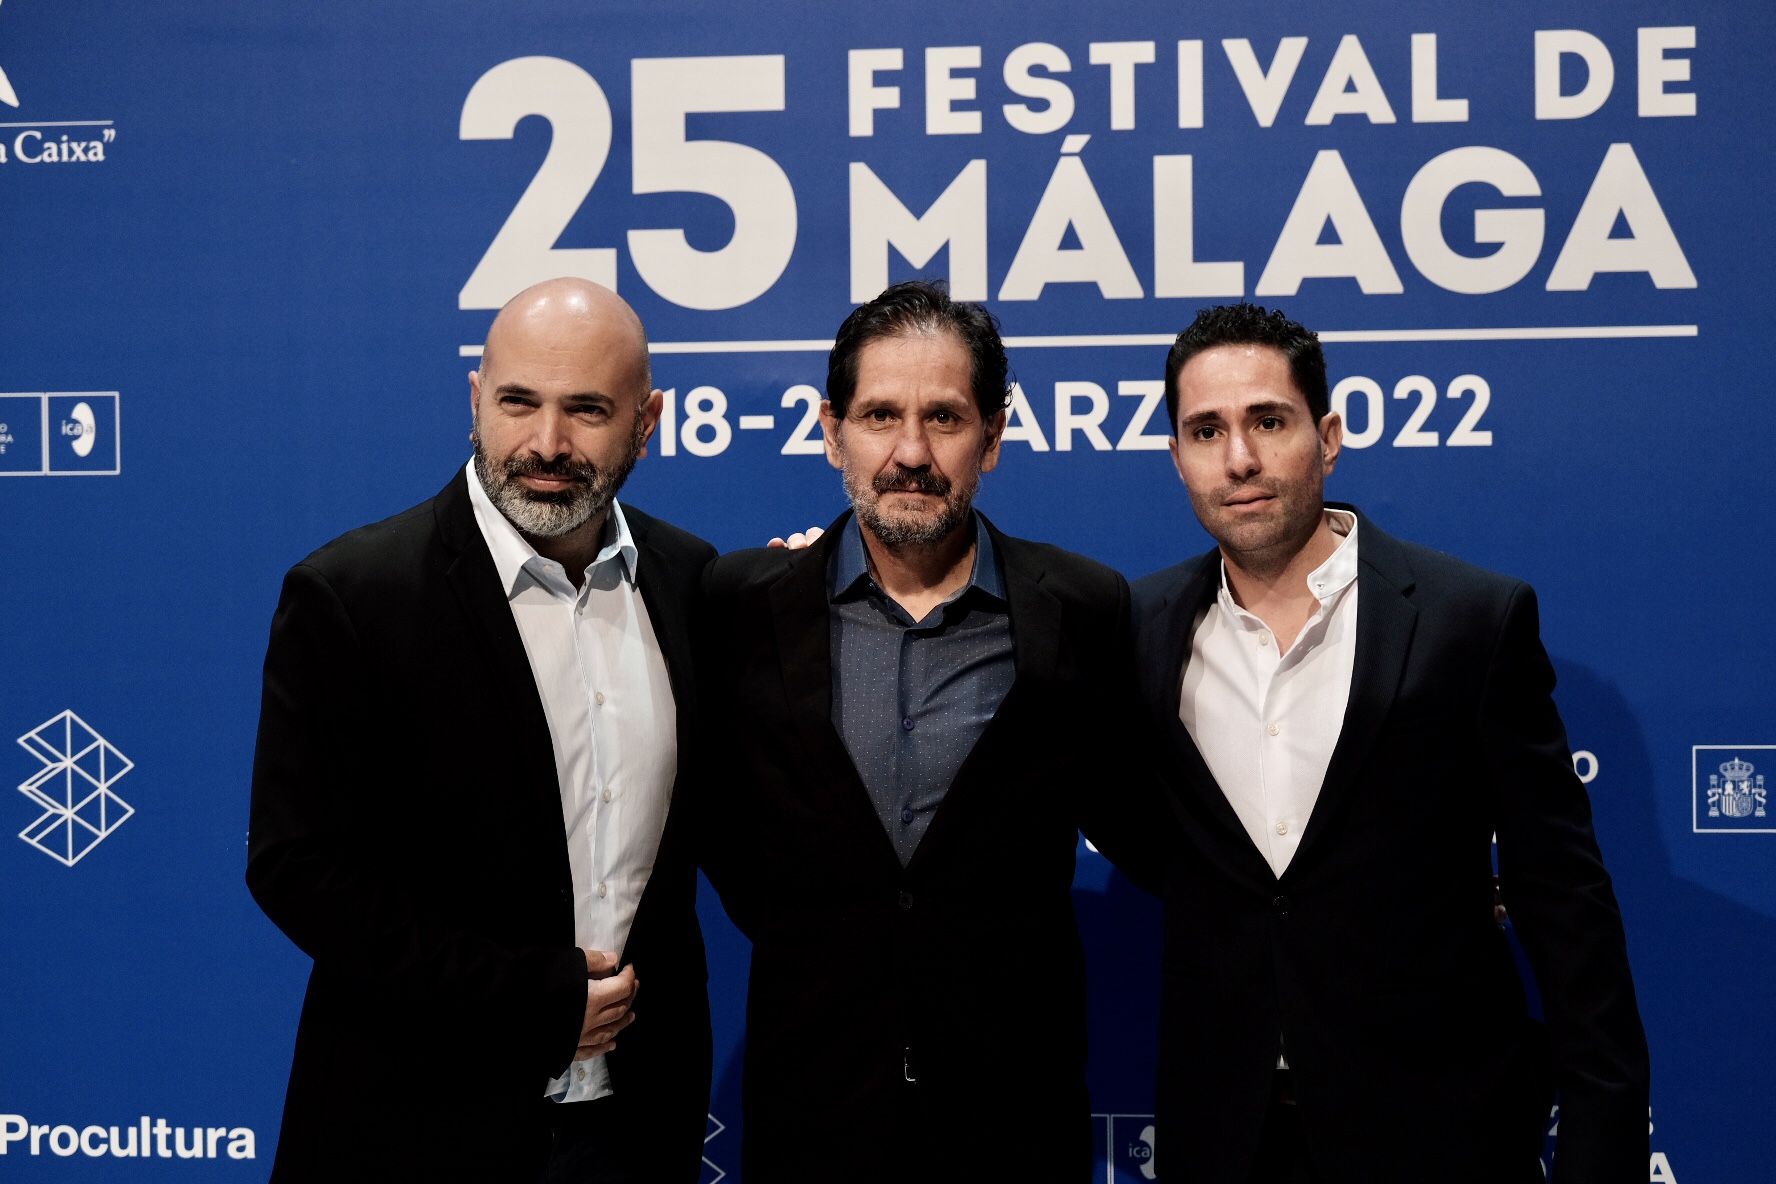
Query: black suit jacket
[[1376, 955], [407, 834], [962, 970]]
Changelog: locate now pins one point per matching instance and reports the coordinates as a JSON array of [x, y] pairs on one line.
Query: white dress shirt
[[612, 723], [1266, 722]]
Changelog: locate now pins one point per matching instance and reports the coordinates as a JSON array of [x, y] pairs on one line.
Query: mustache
[[904, 480], [584, 472]]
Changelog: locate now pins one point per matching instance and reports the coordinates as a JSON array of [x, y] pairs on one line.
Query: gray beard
[[896, 533], [552, 515]]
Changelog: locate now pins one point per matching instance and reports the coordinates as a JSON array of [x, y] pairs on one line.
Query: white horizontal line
[[740, 347], [1521, 333], [753, 422], [62, 123], [1525, 333]]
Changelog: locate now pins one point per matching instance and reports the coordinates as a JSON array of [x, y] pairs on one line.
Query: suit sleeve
[[1126, 816], [1564, 910], [321, 882]]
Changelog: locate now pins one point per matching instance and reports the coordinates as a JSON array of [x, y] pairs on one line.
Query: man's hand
[[798, 540], [609, 996]]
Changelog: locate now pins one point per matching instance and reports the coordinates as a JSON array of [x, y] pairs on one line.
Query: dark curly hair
[[1248, 324]]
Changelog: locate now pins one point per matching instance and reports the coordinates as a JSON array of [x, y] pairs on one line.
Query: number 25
[[663, 91]]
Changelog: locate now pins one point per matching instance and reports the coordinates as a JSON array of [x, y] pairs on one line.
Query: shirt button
[[1275, 729], [1282, 828], [580, 1072], [1263, 638], [906, 816], [907, 723], [603, 892], [598, 698], [605, 796]]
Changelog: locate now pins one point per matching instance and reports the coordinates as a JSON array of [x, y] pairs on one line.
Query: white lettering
[[1350, 87], [1020, 80], [1135, 437], [1070, 200], [663, 93], [1328, 195], [1264, 88], [1656, 70], [1090, 421], [1176, 271], [1122, 57], [1585, 766], [943, 89], [1551, 45], [1021, 422], [1190, 84], [866, 98], [1620, 188], [1426, 106], [1518, 232], [957, 219]]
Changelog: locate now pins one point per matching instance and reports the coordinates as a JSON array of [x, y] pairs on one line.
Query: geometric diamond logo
[[711, 1173], [73, 787]]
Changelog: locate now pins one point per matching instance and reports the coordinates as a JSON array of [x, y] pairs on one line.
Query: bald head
[[567, 323], [562, 411]]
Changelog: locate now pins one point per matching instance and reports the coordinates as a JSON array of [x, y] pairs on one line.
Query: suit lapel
[[511, 684], [666, 609], [801, 621], [1176, 625], [1386, 620], [666, 612], [1036, 662]]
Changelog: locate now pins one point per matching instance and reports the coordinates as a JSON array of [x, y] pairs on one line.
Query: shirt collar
[[512, 552], [1329, 578], [848, 575]]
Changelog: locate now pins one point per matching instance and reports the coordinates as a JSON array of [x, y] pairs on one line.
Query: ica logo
[[79, 428]]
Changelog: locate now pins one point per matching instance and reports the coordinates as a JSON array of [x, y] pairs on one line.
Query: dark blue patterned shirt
[[911, 698]]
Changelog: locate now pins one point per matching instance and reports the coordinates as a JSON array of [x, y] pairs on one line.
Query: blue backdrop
[[249, 251]]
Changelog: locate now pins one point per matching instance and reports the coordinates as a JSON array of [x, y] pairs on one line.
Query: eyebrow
[[518, 388], [936, 403], [1265, 407]]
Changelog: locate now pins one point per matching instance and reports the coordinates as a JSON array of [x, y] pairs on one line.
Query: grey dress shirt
[[911, 698]]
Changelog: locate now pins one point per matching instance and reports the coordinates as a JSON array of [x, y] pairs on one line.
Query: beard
[[552, 514], [910, 528]]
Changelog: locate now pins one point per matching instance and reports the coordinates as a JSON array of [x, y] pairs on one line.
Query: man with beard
[[1349, 721], [910, 707], [469, 795]]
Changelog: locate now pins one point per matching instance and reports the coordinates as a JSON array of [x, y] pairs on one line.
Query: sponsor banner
[[1533, 239]]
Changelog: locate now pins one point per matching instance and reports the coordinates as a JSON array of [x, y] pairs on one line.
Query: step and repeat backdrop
[[250, 252]]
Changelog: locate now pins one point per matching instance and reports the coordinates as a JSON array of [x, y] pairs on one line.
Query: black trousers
[[595, 1143], [1282, 1150]]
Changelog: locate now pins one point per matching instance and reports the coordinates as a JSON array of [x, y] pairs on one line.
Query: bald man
[[475, 749]]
